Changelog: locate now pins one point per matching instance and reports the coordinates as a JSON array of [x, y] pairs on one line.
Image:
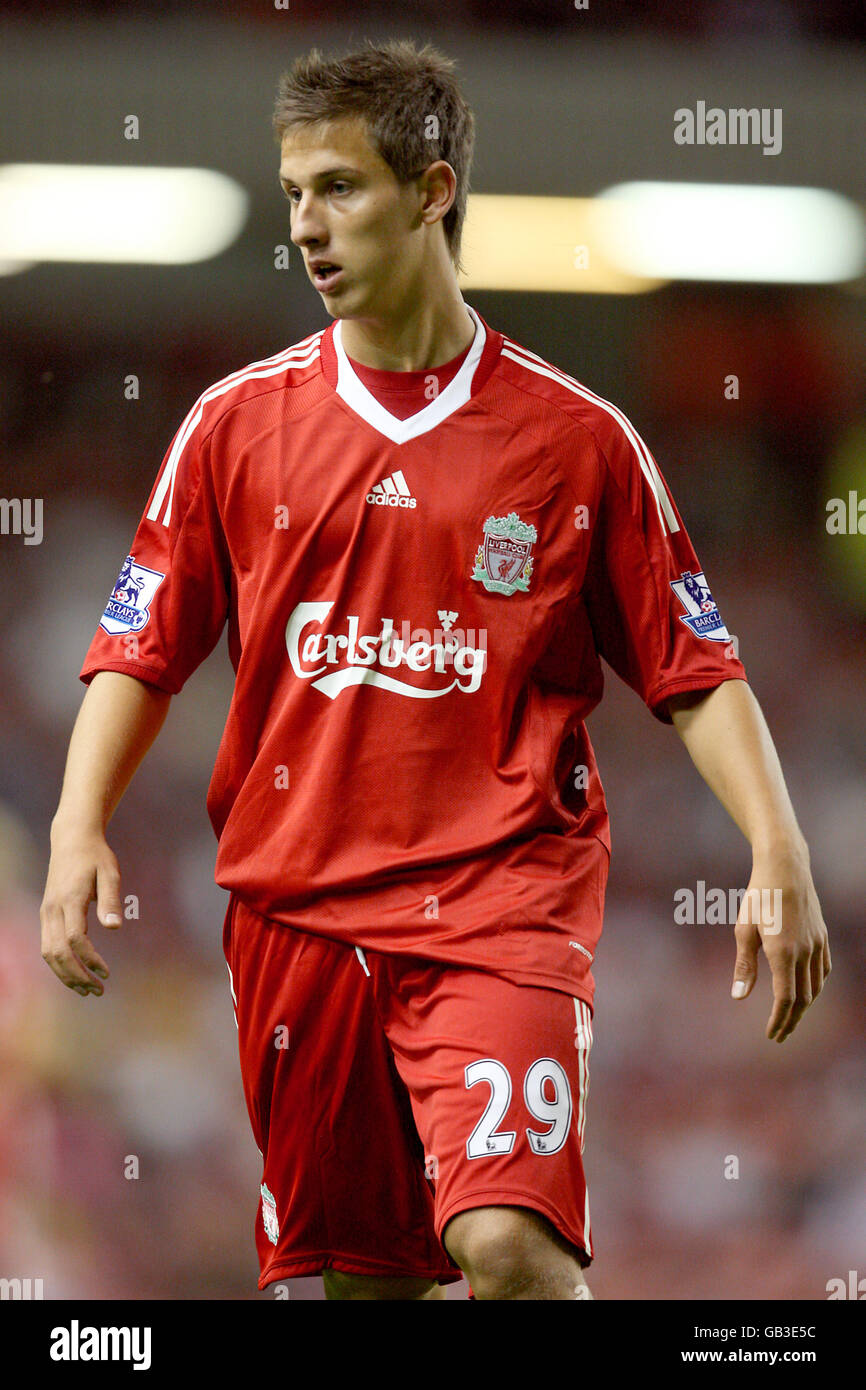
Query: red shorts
[[387, 1093]]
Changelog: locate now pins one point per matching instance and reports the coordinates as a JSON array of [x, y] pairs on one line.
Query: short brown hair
[[396, 88]]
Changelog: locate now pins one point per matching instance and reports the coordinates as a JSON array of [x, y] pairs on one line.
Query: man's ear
[[439, 183]]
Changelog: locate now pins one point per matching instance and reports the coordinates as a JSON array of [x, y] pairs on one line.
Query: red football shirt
[[416, 613]]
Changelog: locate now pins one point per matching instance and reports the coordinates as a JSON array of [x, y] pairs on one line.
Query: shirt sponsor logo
[[128, 608], [368, 658], [503, 561], [702, 616]]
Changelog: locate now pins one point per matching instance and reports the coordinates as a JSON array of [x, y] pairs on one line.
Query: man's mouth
[[325, 275]]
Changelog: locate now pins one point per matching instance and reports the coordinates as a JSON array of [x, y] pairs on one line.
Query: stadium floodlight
[[740, 232], [516, 242], [108, 213], [14, 267]]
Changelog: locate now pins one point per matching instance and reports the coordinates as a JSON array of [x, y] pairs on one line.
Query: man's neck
[[430, 334]]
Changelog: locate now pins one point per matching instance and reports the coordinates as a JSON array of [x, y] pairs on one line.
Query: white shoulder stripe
[[583, 1043], [300, 355], [648, 467]]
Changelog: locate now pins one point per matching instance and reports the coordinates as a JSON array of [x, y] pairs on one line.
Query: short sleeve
[[653, 615], [170, 601]]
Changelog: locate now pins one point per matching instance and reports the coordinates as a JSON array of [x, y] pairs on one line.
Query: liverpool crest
[[503, 561]]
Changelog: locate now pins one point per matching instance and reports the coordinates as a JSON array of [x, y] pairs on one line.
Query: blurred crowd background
[[681, 1077]]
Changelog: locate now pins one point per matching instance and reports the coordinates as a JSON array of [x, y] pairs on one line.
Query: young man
[[422, 537]]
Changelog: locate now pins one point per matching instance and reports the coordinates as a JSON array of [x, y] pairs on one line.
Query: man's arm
[[118, 721], [729, 743]]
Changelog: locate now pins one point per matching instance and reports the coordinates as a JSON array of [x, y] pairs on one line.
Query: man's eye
[[338, 184]]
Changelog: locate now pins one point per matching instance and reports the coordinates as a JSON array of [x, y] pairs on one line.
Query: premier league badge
[[701, 615], [503, 562], [128, 608]]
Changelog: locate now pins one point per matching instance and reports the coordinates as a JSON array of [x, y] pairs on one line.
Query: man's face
[[349, 211]]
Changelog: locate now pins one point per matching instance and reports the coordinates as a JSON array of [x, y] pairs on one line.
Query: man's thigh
[[343, 1182], [498, 1076]]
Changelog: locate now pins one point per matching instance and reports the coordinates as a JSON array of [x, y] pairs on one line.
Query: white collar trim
[[456, 393]]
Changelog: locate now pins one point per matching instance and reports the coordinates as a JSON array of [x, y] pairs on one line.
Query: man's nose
[[307, 225]]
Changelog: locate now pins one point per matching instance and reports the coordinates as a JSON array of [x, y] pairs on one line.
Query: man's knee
[[369, 1286], [514, 1253]]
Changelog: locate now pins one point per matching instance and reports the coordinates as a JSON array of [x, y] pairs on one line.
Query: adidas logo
[[392, 492]]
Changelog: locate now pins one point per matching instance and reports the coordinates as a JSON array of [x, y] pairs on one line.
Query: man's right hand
[[119, 718], [82, 869]]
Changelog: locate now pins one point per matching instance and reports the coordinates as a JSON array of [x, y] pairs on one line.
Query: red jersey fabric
[[417, 610], [405, 393]]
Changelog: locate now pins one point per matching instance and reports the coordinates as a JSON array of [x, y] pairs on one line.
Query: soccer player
[[422, 538]]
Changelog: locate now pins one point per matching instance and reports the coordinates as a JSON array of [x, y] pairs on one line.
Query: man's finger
[[746, 966], [784, 993], [56, 951], [82, 949], [801, 1002], [816, 972], [108, 907]]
